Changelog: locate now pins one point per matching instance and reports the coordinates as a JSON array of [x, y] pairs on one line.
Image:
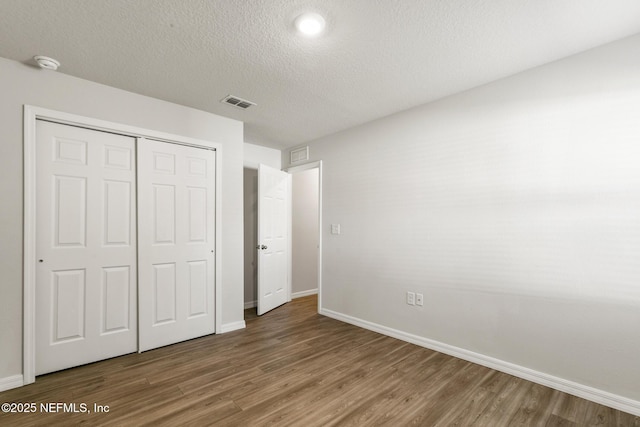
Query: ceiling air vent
[[237, 102], [299, 154]]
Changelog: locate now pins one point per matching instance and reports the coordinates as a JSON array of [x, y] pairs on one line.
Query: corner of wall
[[233, 326], [13, 381]]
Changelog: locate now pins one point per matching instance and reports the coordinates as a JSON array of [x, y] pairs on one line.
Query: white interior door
[[86, 246], [274, 225], [176, 238]]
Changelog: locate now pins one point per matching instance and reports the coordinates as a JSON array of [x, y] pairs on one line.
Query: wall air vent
[[299, 154], [237, 102]]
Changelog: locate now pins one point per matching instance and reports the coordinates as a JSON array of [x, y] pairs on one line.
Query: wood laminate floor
[[293, 367]]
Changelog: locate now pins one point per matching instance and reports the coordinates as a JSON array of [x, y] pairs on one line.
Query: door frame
[[33, 113], [301, 168]]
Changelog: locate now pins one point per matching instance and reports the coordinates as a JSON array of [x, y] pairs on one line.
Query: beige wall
[[21, 84], [514, 208]]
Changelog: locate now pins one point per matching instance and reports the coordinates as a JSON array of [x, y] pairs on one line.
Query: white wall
[[253, 156], [256, 154], [513, 207], [21, 84], [304, 240]]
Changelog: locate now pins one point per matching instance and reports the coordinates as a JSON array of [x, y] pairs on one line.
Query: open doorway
[[305, 197], [250, 191], [305, 232]]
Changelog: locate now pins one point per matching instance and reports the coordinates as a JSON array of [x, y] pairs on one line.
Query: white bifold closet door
[[86, 246], [176, 236], [124, 244]]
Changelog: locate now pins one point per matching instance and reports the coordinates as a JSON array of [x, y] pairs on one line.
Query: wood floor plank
[[467, 413], [321, 406], [294, 367], [534, 408], [363, 368], [557, 421]]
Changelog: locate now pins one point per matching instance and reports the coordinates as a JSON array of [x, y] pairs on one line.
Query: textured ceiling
[[376, 57]]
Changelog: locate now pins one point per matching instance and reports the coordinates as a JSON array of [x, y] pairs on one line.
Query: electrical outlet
[[419, 299], [411, 298], [335, 228]]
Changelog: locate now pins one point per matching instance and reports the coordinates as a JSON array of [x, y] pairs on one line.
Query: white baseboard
[[304, 293], [8, 383], [234, 326], [252, 304], [586, 392]]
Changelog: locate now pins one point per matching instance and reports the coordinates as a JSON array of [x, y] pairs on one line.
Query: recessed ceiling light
[[46, 62], [310, 24]]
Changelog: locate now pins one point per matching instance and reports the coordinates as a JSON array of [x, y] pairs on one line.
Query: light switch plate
[[335, 228]]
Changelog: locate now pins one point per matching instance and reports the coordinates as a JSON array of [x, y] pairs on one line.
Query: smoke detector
[[46, 62]]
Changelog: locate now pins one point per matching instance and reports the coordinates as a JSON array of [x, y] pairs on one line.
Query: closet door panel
[[86, 247], [176, 223]]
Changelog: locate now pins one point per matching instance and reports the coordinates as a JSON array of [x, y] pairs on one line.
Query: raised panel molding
[[115, 299], [68, 293], [164, 163], [197, 288], [197, 167], [164, 293], [70, 151], [117, 204], [164, 206], [197, 214], [71, 211], [117, 157]]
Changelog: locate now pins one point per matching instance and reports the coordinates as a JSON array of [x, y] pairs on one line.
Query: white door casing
[[274, 234], [85, 246], [176, 232]]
